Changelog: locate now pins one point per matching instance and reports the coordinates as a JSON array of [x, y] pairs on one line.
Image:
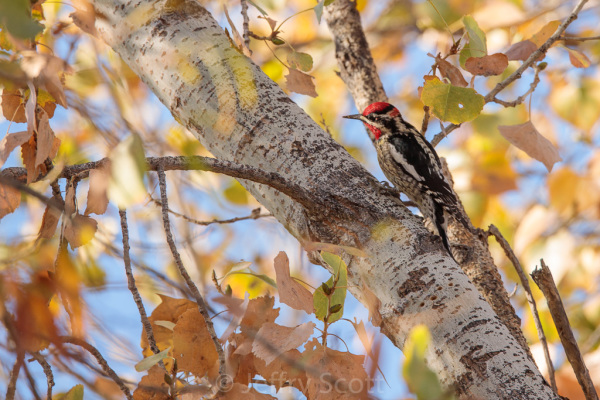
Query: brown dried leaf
[[236, 35], [240, 366], [13, 108], [527, 138], [283, 370], [291, 292], [28, 158], [10, 198], [260, 311], [490, 65], [451, 72], [70, 200], [521, 51], [372, 303], [239, 391], [10, 142], [79, 230], [97, 198], [45, 140], [193, 347], [47, 70], [578, 59], [299, 82], [272, 22], [51, 217], [272, 339], [85, 17], [341, 367], [152, 386]]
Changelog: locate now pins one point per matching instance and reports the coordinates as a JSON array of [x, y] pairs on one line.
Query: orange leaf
[[193, 348], [291, 292], [152, 386], [545, 33], [578, 59]]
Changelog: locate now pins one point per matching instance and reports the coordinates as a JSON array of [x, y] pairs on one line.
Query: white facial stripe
[[399, 158]]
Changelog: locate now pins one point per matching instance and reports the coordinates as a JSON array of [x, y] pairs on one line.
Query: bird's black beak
[[353, 116]]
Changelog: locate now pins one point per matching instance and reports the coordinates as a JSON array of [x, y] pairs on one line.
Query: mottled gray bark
[[240, 115]]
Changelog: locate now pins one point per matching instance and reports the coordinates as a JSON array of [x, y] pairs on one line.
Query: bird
[[412, 165]]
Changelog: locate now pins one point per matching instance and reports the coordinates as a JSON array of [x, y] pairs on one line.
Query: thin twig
[[47, 371], [579, 39], [526, 64], [31, 381], [525, 283], [14, 374], [132, 286], [188, 280], [245, 26], [543, 278], [100, 359], [520, 99], [255, 214]]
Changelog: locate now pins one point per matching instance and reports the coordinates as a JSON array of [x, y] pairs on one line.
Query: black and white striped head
[[378, 117]]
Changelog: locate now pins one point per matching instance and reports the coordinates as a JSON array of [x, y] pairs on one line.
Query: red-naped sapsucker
[[410, 162]]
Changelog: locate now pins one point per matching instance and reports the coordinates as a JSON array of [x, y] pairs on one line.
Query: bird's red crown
[[381, 107]]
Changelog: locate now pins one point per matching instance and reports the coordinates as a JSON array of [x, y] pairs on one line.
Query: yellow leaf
[[544, 34]]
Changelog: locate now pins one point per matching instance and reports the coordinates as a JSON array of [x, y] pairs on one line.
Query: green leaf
[[151, 361], [321, 301], [451, 103], [319, 10], [328, 2], [301, 61], [127, 168], [15, 17], [263, 12], [75, 393], [477, 40]]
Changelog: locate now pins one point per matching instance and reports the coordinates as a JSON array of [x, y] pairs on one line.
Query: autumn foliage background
[[546, 201]]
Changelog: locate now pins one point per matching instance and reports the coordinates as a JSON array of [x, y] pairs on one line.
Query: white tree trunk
[[240, 115]]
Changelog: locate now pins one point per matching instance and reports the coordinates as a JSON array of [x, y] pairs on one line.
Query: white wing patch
[[400, 159]]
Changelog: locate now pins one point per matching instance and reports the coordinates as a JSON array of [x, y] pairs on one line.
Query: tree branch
[[525, 283], [190, 283], [14, 175], [132, 286], [543, 278], [47, 371], [100, 359]]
